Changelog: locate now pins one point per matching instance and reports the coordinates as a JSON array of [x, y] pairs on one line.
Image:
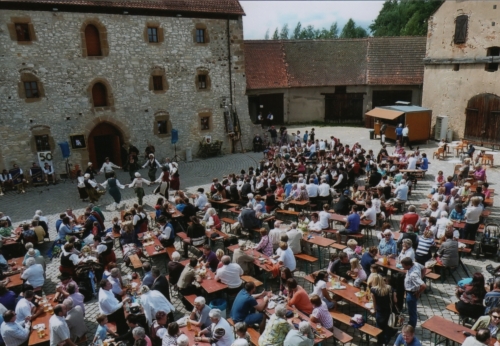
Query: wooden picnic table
[[15, 279], [220, 203], [209, 285], [343, 218], [44, 318], [320, 242], [14, 238], [150, 249]]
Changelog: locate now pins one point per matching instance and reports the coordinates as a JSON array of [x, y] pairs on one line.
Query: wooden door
[[92, 40], [482, 120], [105, 140], [344, 108]]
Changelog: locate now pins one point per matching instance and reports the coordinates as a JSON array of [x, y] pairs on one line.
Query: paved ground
[[54, 199]]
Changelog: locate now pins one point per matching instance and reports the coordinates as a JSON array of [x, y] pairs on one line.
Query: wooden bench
[[248, 278], [367, 329], [341, 336], [432, 277], [307, 259], [135, 261], [254, 335], [451, 307], [288, 214], [337, 246], [358, 236], [190, 298]]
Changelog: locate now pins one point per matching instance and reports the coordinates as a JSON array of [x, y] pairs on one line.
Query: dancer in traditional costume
[[107, 168], [82, 190], [164, 181], [137, 183], [114, 187], [48, 170], [91, 171], [91, 188], [18, 178], [132, 165], [153, 165]]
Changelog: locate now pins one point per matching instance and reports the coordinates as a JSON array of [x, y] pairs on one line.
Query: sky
[[263, 15]]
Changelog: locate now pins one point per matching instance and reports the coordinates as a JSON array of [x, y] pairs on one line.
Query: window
[[162, 124], [93, 41], [157, 83], [492, 51], [205, 123], [42, 143], [202, 81], [22, 32], [153, 35], [461, 23], [162, 127], [456, 67], [99, 95], [31, 90], [200, 35]]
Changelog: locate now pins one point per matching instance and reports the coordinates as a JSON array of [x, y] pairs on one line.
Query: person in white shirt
[[412, 162], [441, 224], [115, 279], [324, 191], [229, 273], [314, 226], [294, 238], [275, 234], [200, 199], [324, 217], [137, 183], [107, 168], [34, 273], [25, 309], [59, 330], [312, 189], [12, 333], [370, 214], [109, 305], [153, 301], [312, 150], [286, 257], [219, 333]]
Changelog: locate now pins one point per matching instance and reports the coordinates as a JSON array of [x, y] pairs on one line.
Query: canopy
[[384, 113]]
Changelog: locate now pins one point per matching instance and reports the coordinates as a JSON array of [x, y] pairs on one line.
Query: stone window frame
[[41, 130], [103, 38], [30, 76], [11, 26], [159, 30], [155, 72], [461, 29], [492, 51], [206, 36], [109, 96], [208, 82], [162, 115], [203, 115]]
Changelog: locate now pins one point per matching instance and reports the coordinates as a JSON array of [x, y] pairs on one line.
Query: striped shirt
[[322, 314], [424, 245], [413, 278], [13, 334]]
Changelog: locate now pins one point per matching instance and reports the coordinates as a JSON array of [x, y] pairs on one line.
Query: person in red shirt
[[298, 297], [410, 218], [355, 168]]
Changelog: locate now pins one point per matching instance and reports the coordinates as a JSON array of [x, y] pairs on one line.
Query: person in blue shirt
[[399, 133], [387, 246], [288, 187], [369, 258], [424, 163], [148, 279], [102, 329], [247, 309], [352, 224], [407, 337]]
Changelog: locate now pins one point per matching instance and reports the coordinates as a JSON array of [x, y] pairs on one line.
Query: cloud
[[263, 15]]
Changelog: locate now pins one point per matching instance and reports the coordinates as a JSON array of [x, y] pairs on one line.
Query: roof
[[273, 64], [396, 60], [406, 109], [193, 6], [382, 113], [267, 69]]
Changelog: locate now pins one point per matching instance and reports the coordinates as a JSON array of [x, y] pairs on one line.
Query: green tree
[[351, 30], [284, 32], [404, 17], [276, 36], [296, 31], [334, 30], [267, 35]]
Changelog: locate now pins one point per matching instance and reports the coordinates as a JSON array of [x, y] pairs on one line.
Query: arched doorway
[[482, 118], [105, 140]]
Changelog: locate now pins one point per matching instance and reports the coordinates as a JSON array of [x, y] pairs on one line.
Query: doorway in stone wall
[[482, 119], [105, 140]]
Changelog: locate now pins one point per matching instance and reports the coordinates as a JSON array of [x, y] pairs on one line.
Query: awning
[[384, 113]]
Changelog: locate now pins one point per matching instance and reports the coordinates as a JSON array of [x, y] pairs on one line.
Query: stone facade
[[57, 59], [455, 73]]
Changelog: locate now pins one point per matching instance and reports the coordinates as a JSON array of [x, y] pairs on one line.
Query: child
[[241, 331], [374, 271], [357, 272], [102, 329], [95, 228], [333, 258]]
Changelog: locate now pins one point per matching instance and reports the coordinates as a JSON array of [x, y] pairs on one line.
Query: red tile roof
[[265, 66], [204, 6], [274, 64]]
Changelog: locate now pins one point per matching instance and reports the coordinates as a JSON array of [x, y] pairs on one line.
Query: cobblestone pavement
[[55, 199]]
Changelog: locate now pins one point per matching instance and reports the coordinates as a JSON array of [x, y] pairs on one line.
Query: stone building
[[461, 78], [332, 80], [102, 74]]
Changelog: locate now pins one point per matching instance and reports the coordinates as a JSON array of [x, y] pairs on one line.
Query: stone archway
[[106, 139]]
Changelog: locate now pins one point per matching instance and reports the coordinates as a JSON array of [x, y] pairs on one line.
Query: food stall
[[417, 118]]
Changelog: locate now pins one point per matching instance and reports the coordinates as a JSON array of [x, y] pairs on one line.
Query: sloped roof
[[273, 64], [203, 6], [396, 60]]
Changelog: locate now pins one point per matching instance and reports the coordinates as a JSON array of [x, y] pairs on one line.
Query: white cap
[[86, 175], [90, 164], [101, 248], [137, 174]]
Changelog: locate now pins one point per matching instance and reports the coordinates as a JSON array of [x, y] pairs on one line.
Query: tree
[[404, 17], [267, 35], [296, 31], [284, 32], [334, 30], [350, 30], [275, 35]]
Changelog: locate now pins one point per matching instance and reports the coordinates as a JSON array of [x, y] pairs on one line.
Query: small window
[[200, 35], [205, 123], [22, 32], [492, 51], [153, 35], [93, 40], [202, 81], [42, 143], [461, 23], [456, 67], [162, 127], [31, 90], [99, 95], [157, 83]]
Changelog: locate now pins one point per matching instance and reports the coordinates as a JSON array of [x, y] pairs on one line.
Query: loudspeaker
[[175, 136], [65, 149]]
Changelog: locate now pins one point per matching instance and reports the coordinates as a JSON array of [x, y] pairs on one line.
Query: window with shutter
[[99, 95], [31, 90], [157, 83], [22, 32], [492, 51], [461, 23], [93, 41]]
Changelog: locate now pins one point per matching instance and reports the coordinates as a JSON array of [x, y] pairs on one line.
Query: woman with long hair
[[320, 289], [383, 305], [471, 298], [285, 274]]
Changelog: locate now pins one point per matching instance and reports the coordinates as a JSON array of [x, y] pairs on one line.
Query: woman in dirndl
[[153, 165], [82, 191], [137, 183], [133, 166], [91, 188], [164, 181], [114, 187]]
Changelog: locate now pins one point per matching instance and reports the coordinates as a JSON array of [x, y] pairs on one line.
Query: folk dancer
[[137, 183], [82, 191], [36, 174], [107, 168], [48, 170], [133, 165], [153, 165], [91, 171], [5, 181], [91, 188], [164, 181], [113, 184], [18, 178]]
